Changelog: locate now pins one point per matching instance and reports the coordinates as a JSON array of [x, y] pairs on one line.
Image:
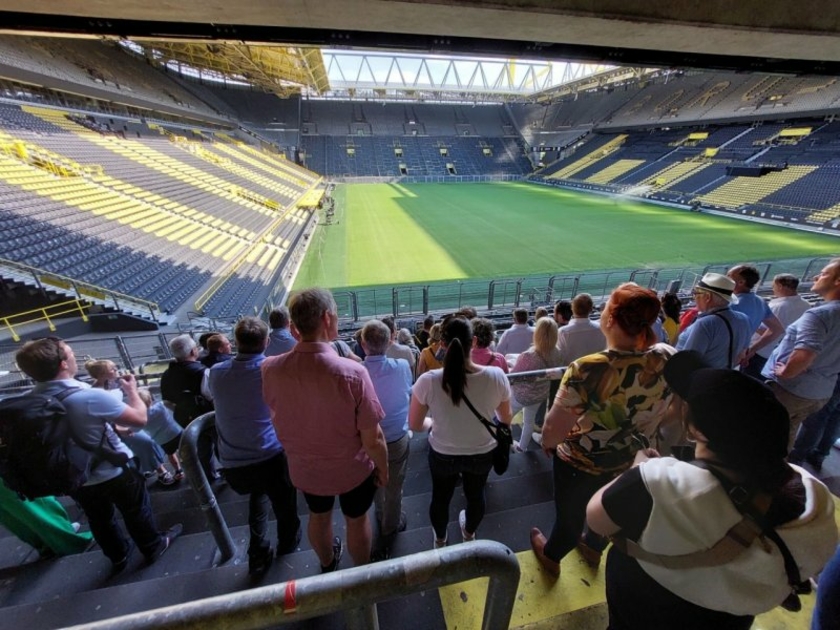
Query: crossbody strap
[[754, 506], [731, 336], [95, 450], [487, 424]]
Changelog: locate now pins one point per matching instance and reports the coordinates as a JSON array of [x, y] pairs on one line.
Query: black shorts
[[354, 503], [172, 445]]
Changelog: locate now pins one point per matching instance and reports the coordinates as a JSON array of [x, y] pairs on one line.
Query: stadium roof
[[347, 73], [753, 35]]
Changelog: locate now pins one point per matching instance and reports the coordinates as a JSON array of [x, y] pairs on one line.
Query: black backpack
[[38, 454]]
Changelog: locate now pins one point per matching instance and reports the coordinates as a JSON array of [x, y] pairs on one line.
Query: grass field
[[392, 234]]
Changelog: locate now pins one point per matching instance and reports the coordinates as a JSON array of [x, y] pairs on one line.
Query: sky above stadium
[[357, 69]]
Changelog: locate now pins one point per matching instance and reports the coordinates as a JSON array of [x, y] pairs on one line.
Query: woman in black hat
[[684, 554]]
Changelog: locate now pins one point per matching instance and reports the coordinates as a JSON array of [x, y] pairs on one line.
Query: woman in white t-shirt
[[459, 444]]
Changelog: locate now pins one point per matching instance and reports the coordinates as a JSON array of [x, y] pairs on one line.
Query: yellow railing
[[81, 288], [44, 314]]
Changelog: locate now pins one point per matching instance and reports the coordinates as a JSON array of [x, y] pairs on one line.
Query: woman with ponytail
[[459, 444], [668, 514], [609, 406]]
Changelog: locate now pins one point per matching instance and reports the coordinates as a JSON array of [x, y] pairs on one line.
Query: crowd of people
[[660, 436]]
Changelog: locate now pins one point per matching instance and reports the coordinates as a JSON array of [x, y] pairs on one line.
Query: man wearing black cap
[[803, 369], [719, 334]]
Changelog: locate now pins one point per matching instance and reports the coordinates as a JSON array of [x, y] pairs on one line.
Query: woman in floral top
[[542, 355], [610, 405]]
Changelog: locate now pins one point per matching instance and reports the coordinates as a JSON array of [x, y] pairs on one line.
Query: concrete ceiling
[[768, 35]]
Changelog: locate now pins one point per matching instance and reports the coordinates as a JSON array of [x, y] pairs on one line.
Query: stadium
[[168, 170]]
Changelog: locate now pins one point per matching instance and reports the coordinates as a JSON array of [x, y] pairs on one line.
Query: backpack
[[38, 455]]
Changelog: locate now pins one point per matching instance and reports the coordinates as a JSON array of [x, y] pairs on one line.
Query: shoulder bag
[[501, 433]]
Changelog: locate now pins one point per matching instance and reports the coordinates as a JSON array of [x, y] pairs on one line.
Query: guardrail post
[[359, 587], [15, 336], [188, 450], [124, 354], [354, 305], [491, 295], [549, 294]]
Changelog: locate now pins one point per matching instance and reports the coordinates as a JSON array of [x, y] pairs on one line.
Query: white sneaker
[[515, 447], [537, 437], [462, 521]]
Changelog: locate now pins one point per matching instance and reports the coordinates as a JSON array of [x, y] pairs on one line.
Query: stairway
[[79, 589]]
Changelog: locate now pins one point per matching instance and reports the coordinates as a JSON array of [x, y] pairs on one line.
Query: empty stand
[[72, 197]]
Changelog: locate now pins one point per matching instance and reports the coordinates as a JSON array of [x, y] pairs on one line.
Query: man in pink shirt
[[326, 414]]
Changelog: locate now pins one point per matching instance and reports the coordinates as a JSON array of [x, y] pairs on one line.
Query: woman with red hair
[[609, 406]]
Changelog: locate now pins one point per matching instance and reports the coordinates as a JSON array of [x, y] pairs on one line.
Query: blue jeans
[[819, 431], [126, 493], [827, 610], [446, 469]]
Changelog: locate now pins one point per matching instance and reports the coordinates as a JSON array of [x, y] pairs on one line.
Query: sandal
[[179, 474]]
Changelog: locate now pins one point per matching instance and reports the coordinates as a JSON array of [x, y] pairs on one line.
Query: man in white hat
[[720, 334]]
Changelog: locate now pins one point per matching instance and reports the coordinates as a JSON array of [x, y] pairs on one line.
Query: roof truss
[[283, 70], [357, 72]]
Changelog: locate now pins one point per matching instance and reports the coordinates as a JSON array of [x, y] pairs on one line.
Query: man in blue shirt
[[280, 341], [803, 369], [252, 457], [91, 412], [756, 309], [392, 381], [720, 334]]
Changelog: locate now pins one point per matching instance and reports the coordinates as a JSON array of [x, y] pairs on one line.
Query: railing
[[532, 291], [354, 591], [188, 451], [425, 179], [43, 279], [61, 309]]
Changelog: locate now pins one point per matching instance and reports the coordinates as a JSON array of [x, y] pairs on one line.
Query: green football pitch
[[394, 234]]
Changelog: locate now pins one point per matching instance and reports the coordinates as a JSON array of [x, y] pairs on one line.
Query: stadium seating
[[185, 208]]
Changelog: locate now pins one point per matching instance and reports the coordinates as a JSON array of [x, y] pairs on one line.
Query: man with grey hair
[[720, 334], [184, 385], [803, 369], [326, 414], [280, 340], [788, 306], [392, 381]]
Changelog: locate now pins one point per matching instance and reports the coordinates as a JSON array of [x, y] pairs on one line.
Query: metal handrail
[[81, 288], [188, 451], [69, 307], [354, 591]]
